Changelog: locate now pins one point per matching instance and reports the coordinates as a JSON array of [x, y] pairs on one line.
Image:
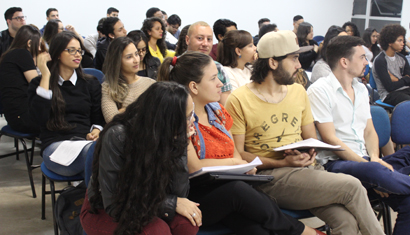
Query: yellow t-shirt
[[159, 55], [266, 125]]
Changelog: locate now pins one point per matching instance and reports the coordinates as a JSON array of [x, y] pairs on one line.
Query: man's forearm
[[268, 163]]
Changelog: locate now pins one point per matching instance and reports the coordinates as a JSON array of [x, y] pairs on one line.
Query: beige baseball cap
[[281, 43]]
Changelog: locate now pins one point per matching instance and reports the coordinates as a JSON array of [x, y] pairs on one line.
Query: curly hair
[[389, 34], [147, 26], [354, 28], [151, 155], [181, 46]]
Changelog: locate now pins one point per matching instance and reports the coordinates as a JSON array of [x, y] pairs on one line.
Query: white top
[[330, 103], [170, 38], [90, 43], [369, 55], [239, 77]]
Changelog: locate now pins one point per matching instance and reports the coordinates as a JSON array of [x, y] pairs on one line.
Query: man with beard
[[340, 107], [271, 112]]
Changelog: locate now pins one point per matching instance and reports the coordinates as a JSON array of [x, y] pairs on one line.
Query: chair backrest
[[318, 38], [381, 123], [400, 124], [96, 73], [89, 163], [372, 81]]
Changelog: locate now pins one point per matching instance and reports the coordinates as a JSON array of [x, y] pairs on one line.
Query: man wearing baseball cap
[[273, 111]]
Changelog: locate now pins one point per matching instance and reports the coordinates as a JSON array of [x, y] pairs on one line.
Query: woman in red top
[[235, 204]]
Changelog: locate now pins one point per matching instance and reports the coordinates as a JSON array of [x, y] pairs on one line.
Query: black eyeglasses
[[141, 50], [73, 51], [19, 18]]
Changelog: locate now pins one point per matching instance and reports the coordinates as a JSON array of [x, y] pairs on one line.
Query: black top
[[13, 83], [381, 68], [102, 47], [308, 57], [142, 73], [82, 109], [5, 41]]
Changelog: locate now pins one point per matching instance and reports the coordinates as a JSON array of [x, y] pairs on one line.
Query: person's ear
[[344, 62], [187, 39], [110, 35], [273, 64], [238, 51], [220, 37], [29, 43], [193, 88]]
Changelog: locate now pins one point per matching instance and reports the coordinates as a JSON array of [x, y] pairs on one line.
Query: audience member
[[174, 22], [90, 42], [370, 46], [17, 69], [154, 29], [332, 97], [66, 103], [113, 12], [305, 38], [112, 28], [297, 19], [52, 14], [262, 22], [391, 69], [15, 19], [235, 52], [236, 204], [351, 29], [267, 28], [147, 182], [221, 26], [122, 85], [200, 38], [271, 112], [321, 68], [149, 65], [154, 12], [52, 28], [181, 46]]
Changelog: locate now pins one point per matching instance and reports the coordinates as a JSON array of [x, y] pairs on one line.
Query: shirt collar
[[336, 84], [73, 79]]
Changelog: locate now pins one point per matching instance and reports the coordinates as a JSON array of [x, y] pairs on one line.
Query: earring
[[240, 56]]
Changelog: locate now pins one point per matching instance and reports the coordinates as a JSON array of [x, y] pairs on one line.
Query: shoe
[[319, 232]]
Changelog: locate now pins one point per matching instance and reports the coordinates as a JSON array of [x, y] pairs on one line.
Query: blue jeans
[[375, 176], [76, 167]]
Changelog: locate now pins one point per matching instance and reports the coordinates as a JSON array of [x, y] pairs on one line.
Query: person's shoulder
[[147, 80], [323, 83], [400, 55], [115, 135], [152, 61], [242, 91]]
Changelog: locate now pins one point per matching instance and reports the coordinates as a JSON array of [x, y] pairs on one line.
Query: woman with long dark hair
[[236, 52], [235, 204], [122, 85], [351, 29], [66, 104], [148, 64], [17, 69], [52, 28], [181, 46], [370, 37], [154, 29], [305, 38], [140, 181]]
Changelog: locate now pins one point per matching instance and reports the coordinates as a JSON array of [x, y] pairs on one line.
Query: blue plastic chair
[[381, 123], [96, 73], [318, 38], [53, 177], [400, 124], [89, 164], [372, 83]]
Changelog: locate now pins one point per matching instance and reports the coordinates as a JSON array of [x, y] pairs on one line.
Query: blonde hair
[[200, 23]]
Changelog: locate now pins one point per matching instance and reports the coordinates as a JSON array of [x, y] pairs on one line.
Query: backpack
[[68, 209]]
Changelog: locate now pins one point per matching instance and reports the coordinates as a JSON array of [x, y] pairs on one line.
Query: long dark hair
[[23, 35], [181, 46], [50, 30], [303, 30], [354, 28], [148, 24], [367, 38], [188, 67], [137, 36], [56, 121], [151, 152], [226, 48], [332, 32]]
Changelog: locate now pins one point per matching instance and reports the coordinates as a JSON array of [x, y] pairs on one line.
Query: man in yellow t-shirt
[[272, 111]]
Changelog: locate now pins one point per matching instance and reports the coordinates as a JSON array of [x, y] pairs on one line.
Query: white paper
[[308, 143], [236, 169], [68, 151]]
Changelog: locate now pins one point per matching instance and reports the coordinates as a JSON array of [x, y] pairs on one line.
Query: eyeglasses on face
[[19, 18], [141, 50], [73, 51]]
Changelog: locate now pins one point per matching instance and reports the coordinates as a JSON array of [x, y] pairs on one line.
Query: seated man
[[52, 14], [296, 22], [113, 12], [200, 38], [271, 112], [221, 27], [340, 107], [391, 69], [262, 22], [14, 19], [174, 22]]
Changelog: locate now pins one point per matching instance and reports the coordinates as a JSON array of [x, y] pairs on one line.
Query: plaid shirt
[[223, 77]]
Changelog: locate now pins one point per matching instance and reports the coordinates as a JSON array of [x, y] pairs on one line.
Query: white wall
[[405, 17], [85, 14]]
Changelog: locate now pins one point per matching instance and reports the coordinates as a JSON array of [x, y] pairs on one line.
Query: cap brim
[[302, 50]]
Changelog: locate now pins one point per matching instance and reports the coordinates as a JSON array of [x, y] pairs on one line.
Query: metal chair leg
[[43, 197], [16, 144], [53, 203], [29, 168]]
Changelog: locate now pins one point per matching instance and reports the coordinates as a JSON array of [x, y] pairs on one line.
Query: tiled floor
[[20, 213]]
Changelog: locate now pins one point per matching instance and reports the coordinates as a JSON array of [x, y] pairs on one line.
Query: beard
[[283, 77]]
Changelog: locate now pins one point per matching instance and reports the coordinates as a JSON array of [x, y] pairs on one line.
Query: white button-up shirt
[[330, 103]]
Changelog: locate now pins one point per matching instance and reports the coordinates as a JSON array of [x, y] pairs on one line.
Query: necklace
[[267, 99]]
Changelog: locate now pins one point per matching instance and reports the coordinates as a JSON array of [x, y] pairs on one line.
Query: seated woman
[[371, 48], [122, 85], [235, 204], [148, 64], [235, 52], [305, 38], [351, 29], [65, 103], [154, 28], [17, 69], [140, 188], [181, 45]]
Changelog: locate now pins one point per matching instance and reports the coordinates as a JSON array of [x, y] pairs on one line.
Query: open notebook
[[308, 144]]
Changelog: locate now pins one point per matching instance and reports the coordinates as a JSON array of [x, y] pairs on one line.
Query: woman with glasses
[[122, 85], [370, 37], [17, 69], [154, 29], [148, 64], [66, 104], [235, 204], [305, 38]]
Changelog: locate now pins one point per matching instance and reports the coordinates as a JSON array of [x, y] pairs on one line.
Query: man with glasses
[[15, 19], [174, 22]]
